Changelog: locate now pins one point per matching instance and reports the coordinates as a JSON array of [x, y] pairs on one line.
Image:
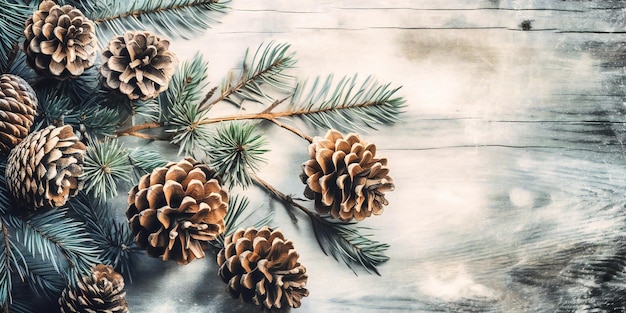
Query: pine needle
[[144, 161], [348, 105], [174, 18], [264, 70], [13, 13], [236, 152], [237, 216], [106, 165]]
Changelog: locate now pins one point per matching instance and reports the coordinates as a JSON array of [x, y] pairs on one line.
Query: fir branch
[[54, 108], [144, 161], [106, 165], [5, 268], [14, 15], [187, 83], [265, 67], [95, 118], [236, 152], [342, 240], [114, 239], [51, 233], [347, 105], [175, 18], [146, 111], [236, 217], [20, 68], [42, 278]]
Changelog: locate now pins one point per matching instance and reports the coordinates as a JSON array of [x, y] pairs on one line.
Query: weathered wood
[[509, 162]]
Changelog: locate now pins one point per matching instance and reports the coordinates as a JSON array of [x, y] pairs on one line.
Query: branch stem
[[277, 194], [143, 12]]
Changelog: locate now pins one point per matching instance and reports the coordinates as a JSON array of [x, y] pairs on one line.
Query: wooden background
[[509, 161]]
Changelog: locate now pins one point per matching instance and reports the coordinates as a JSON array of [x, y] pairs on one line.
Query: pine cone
[[345, 178], [102, 292], [44, 169], [177, 209], [60, 41], [262, 267], [138, 64], [18, 107]]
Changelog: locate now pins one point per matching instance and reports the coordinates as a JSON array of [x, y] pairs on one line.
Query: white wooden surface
[[508, 162]]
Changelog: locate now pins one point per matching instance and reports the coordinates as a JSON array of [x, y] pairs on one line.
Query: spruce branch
[[347, 105], [106, 165], [114, 238], [236, 152], [144, 161], [5, 267], [175, 18], [265, 67], [237, 216], [342, 240], [51, 233], [13, 13]]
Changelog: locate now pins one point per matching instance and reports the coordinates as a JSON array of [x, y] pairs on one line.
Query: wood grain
[[509, 161]]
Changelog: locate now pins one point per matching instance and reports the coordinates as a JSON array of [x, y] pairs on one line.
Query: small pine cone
[[345, 178], [177, 209], [138, 64], [102, 292], [60, 41], [44, 169], [262, 267], [18, 107]]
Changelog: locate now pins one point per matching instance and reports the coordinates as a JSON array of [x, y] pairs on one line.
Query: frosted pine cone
[[345, 178], [60, 41], [262, 267], [18, 107], [177, 209], [102, 292], [138, 64], [44, 169]]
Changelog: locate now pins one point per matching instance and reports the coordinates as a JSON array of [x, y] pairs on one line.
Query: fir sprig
[[13, 13], [107, 164], [175, 18], [236, 152], [266, 68], [114, 238], [144, 161], [237, 216], [347, 105], [342, 240]]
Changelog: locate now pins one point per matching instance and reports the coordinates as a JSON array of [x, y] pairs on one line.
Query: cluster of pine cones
[[176, 210]]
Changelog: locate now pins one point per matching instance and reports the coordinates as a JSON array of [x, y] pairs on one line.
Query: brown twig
[[285, 199]]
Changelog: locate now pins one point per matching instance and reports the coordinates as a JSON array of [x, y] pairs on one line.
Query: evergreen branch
[[42, 278], [236, 152], [50, 232], [14, 14], [94, 118], [146, 111], [342, 240], [187, 83], [106, 165], [348, 105], [266, 67], [114, 239], [144, 161], [175, 18], [19, 67], [54, 108], [236, 216], [5, 268]]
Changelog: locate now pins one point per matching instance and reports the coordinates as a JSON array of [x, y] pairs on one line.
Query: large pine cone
[[138, 64], [102, 292], [177, 209], [262, 267], [18, 107], [345, 178], [44, 170], [60, 41]]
